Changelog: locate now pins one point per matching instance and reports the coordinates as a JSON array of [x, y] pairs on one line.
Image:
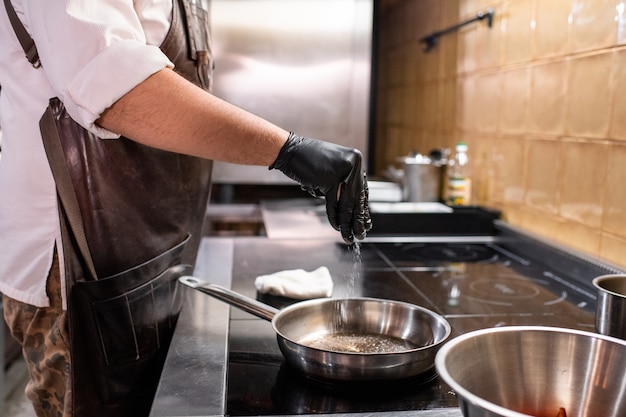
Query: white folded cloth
[[297, 283]]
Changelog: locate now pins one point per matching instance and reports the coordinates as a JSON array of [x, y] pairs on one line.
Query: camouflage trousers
[[43, 334]]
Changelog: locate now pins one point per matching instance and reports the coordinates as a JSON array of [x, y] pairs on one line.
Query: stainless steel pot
[[523, 371], [354, 339], [421, 179], [611, 306]]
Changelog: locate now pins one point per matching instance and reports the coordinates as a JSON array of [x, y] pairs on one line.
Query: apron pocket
[[137, 323], [131, 317]]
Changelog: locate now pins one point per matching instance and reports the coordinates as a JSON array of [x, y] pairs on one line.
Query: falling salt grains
[[356, 268], [353, 277]]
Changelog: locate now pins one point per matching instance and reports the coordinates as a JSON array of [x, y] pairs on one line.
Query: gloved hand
[[334, 171]]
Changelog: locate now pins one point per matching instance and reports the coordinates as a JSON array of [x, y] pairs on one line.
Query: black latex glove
[[323, 168]]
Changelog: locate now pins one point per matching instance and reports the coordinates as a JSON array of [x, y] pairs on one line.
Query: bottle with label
[[459, 184]]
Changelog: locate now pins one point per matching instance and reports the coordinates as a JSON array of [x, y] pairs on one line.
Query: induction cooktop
[[511, 279]]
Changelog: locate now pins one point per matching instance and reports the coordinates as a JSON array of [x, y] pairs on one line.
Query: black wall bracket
[[431, 40]]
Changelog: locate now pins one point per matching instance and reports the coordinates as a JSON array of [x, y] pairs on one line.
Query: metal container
[[611, 305], [348, 339], [421, 179], [535, 371]]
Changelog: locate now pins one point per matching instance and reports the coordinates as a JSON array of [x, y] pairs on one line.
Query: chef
[[103, 81]]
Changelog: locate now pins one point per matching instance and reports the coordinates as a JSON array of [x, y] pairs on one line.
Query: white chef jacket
[[92, 53]]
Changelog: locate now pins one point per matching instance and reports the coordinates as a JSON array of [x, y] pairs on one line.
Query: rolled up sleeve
[[93, 53]]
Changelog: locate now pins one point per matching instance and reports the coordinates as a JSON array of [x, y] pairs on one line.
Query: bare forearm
[[170, 113]]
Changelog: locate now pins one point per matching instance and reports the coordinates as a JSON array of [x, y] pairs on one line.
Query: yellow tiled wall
[[540, 98]]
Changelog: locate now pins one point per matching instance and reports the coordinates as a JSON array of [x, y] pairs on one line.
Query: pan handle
[[233, 298]]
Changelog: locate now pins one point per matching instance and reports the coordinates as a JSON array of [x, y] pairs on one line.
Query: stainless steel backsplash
[[305, 65]]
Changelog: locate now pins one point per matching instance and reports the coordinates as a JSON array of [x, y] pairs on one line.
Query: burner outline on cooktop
[[450, 252], [504, 288]]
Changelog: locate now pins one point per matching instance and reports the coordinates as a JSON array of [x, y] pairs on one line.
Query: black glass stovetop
[[473, 285]]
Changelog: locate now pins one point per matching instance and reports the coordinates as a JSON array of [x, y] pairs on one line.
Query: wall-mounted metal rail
[[431, 40]]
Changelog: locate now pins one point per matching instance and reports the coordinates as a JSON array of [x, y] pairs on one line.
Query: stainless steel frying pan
[[352, 339]]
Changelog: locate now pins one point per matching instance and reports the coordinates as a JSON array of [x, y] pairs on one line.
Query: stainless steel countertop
[[193, 382], [297, 219]]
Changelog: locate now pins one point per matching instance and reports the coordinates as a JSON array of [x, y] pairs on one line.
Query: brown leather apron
[[140, 213]]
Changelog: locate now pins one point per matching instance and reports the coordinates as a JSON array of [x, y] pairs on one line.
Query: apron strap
[[65, 190], [28, 45]]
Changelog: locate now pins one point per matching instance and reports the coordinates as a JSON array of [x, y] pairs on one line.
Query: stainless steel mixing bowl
[[522, 371]]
